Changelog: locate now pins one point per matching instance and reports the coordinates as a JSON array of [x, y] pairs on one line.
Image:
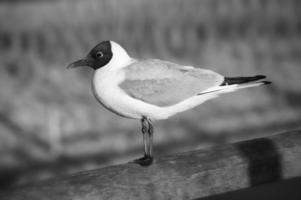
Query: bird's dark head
[[98, 57]]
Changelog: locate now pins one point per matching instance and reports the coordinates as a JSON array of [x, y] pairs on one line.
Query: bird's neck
[[120, 57]]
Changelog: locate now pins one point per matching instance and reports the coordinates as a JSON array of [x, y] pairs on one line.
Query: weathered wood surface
[[188, 175]]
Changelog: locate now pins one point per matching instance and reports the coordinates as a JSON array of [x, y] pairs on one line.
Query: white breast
[[106, 90]]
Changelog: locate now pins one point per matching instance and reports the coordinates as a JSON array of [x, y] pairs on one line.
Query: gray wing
[[164, 83]]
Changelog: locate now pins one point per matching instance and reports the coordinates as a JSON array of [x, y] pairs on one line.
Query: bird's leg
[[150, 132], [145, 136], [147, 141]]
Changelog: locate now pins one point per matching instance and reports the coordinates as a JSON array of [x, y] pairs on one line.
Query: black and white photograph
[[150, 99]]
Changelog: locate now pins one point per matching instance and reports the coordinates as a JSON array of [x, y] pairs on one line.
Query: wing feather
[[164, 83]]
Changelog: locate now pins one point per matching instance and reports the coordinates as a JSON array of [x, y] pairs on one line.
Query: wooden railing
[[189, 175]]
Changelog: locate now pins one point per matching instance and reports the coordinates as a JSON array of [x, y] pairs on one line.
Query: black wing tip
[[241, 80], [267, 82], [260, 76]]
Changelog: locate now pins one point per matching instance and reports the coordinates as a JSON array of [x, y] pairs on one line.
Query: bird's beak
[[79, 63]]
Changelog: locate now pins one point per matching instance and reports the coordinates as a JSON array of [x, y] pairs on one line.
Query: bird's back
[[164, 83]]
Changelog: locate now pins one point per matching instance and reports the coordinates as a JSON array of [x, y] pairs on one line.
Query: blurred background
[[50, 124]]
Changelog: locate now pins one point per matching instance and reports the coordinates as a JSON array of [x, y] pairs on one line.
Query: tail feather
[[252, 84], [240, 80], [225, 88], [213, 92]]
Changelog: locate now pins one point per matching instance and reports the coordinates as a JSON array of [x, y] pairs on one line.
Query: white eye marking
[[99, 54]]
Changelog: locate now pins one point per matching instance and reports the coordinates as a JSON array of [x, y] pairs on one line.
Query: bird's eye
[[99, 54]]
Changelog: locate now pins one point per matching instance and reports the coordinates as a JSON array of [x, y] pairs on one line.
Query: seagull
[[153, 89]]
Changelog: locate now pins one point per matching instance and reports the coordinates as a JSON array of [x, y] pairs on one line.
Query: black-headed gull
[[153, 89]]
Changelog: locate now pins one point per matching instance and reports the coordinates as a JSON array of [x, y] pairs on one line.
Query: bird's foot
[[144, 161]]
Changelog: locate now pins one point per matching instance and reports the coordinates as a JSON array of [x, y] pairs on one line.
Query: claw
[[144, 161]]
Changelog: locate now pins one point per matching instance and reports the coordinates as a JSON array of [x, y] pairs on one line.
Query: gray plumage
[[164, 83]]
